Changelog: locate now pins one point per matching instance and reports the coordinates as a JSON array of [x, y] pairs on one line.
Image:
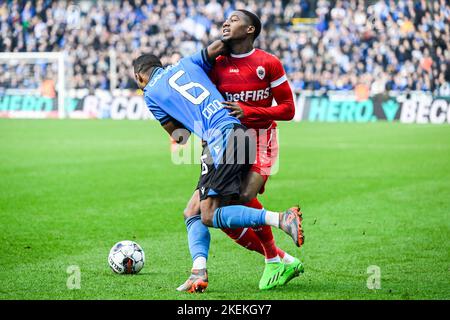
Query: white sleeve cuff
[[279, 81]]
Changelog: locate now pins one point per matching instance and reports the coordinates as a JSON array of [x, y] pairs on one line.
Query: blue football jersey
[[184, 92]]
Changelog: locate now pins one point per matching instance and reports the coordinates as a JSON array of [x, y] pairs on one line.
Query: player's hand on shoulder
[[235, 109]]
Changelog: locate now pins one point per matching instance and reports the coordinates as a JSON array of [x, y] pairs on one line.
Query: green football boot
[[292, 270], [272, 273]]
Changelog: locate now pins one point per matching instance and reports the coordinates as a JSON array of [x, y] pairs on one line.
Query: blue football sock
[[198, 237], [238, 216]]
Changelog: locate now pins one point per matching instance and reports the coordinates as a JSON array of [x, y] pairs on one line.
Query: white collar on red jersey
[[243, 55]]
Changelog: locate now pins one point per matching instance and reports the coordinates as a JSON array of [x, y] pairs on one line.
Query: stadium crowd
[[368, 46]]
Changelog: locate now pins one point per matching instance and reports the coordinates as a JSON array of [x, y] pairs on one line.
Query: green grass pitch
[[373, 194]]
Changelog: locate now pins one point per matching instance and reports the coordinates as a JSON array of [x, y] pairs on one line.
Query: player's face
[[236, 27], [141, 80]]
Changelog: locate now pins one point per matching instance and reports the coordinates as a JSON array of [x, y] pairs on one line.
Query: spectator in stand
[[389, 45]]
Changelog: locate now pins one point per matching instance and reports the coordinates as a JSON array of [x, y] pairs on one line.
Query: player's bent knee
[[246, 197], [207, 208], [190, 212], [207, 219], [193, 206]]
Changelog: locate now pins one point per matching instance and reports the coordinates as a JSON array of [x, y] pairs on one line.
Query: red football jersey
[[249, 79]]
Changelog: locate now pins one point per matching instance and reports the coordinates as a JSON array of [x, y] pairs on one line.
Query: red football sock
[[281, 253], [247, 239], [264, 233]]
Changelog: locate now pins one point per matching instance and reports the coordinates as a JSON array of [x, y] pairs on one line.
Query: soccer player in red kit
[[250, 79]]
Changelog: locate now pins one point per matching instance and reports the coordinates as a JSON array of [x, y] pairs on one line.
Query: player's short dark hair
[[254, 22], [145, 62]]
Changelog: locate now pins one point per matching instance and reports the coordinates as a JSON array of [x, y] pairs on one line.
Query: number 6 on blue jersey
[[183, 89]]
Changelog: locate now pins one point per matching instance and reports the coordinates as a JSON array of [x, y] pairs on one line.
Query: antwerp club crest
[[260, 72]]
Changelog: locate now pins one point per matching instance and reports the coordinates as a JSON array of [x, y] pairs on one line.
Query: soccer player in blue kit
[[181, 96]]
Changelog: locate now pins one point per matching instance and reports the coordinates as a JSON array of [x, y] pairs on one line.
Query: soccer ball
[[126, 257]]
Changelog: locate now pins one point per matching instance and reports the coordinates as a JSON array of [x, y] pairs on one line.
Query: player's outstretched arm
[[179, 133], [215, 49]]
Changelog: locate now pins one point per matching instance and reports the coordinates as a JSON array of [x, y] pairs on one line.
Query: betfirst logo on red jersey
[[250, 95]]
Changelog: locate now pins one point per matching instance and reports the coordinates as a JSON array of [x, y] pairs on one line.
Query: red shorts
[[266, 153]]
